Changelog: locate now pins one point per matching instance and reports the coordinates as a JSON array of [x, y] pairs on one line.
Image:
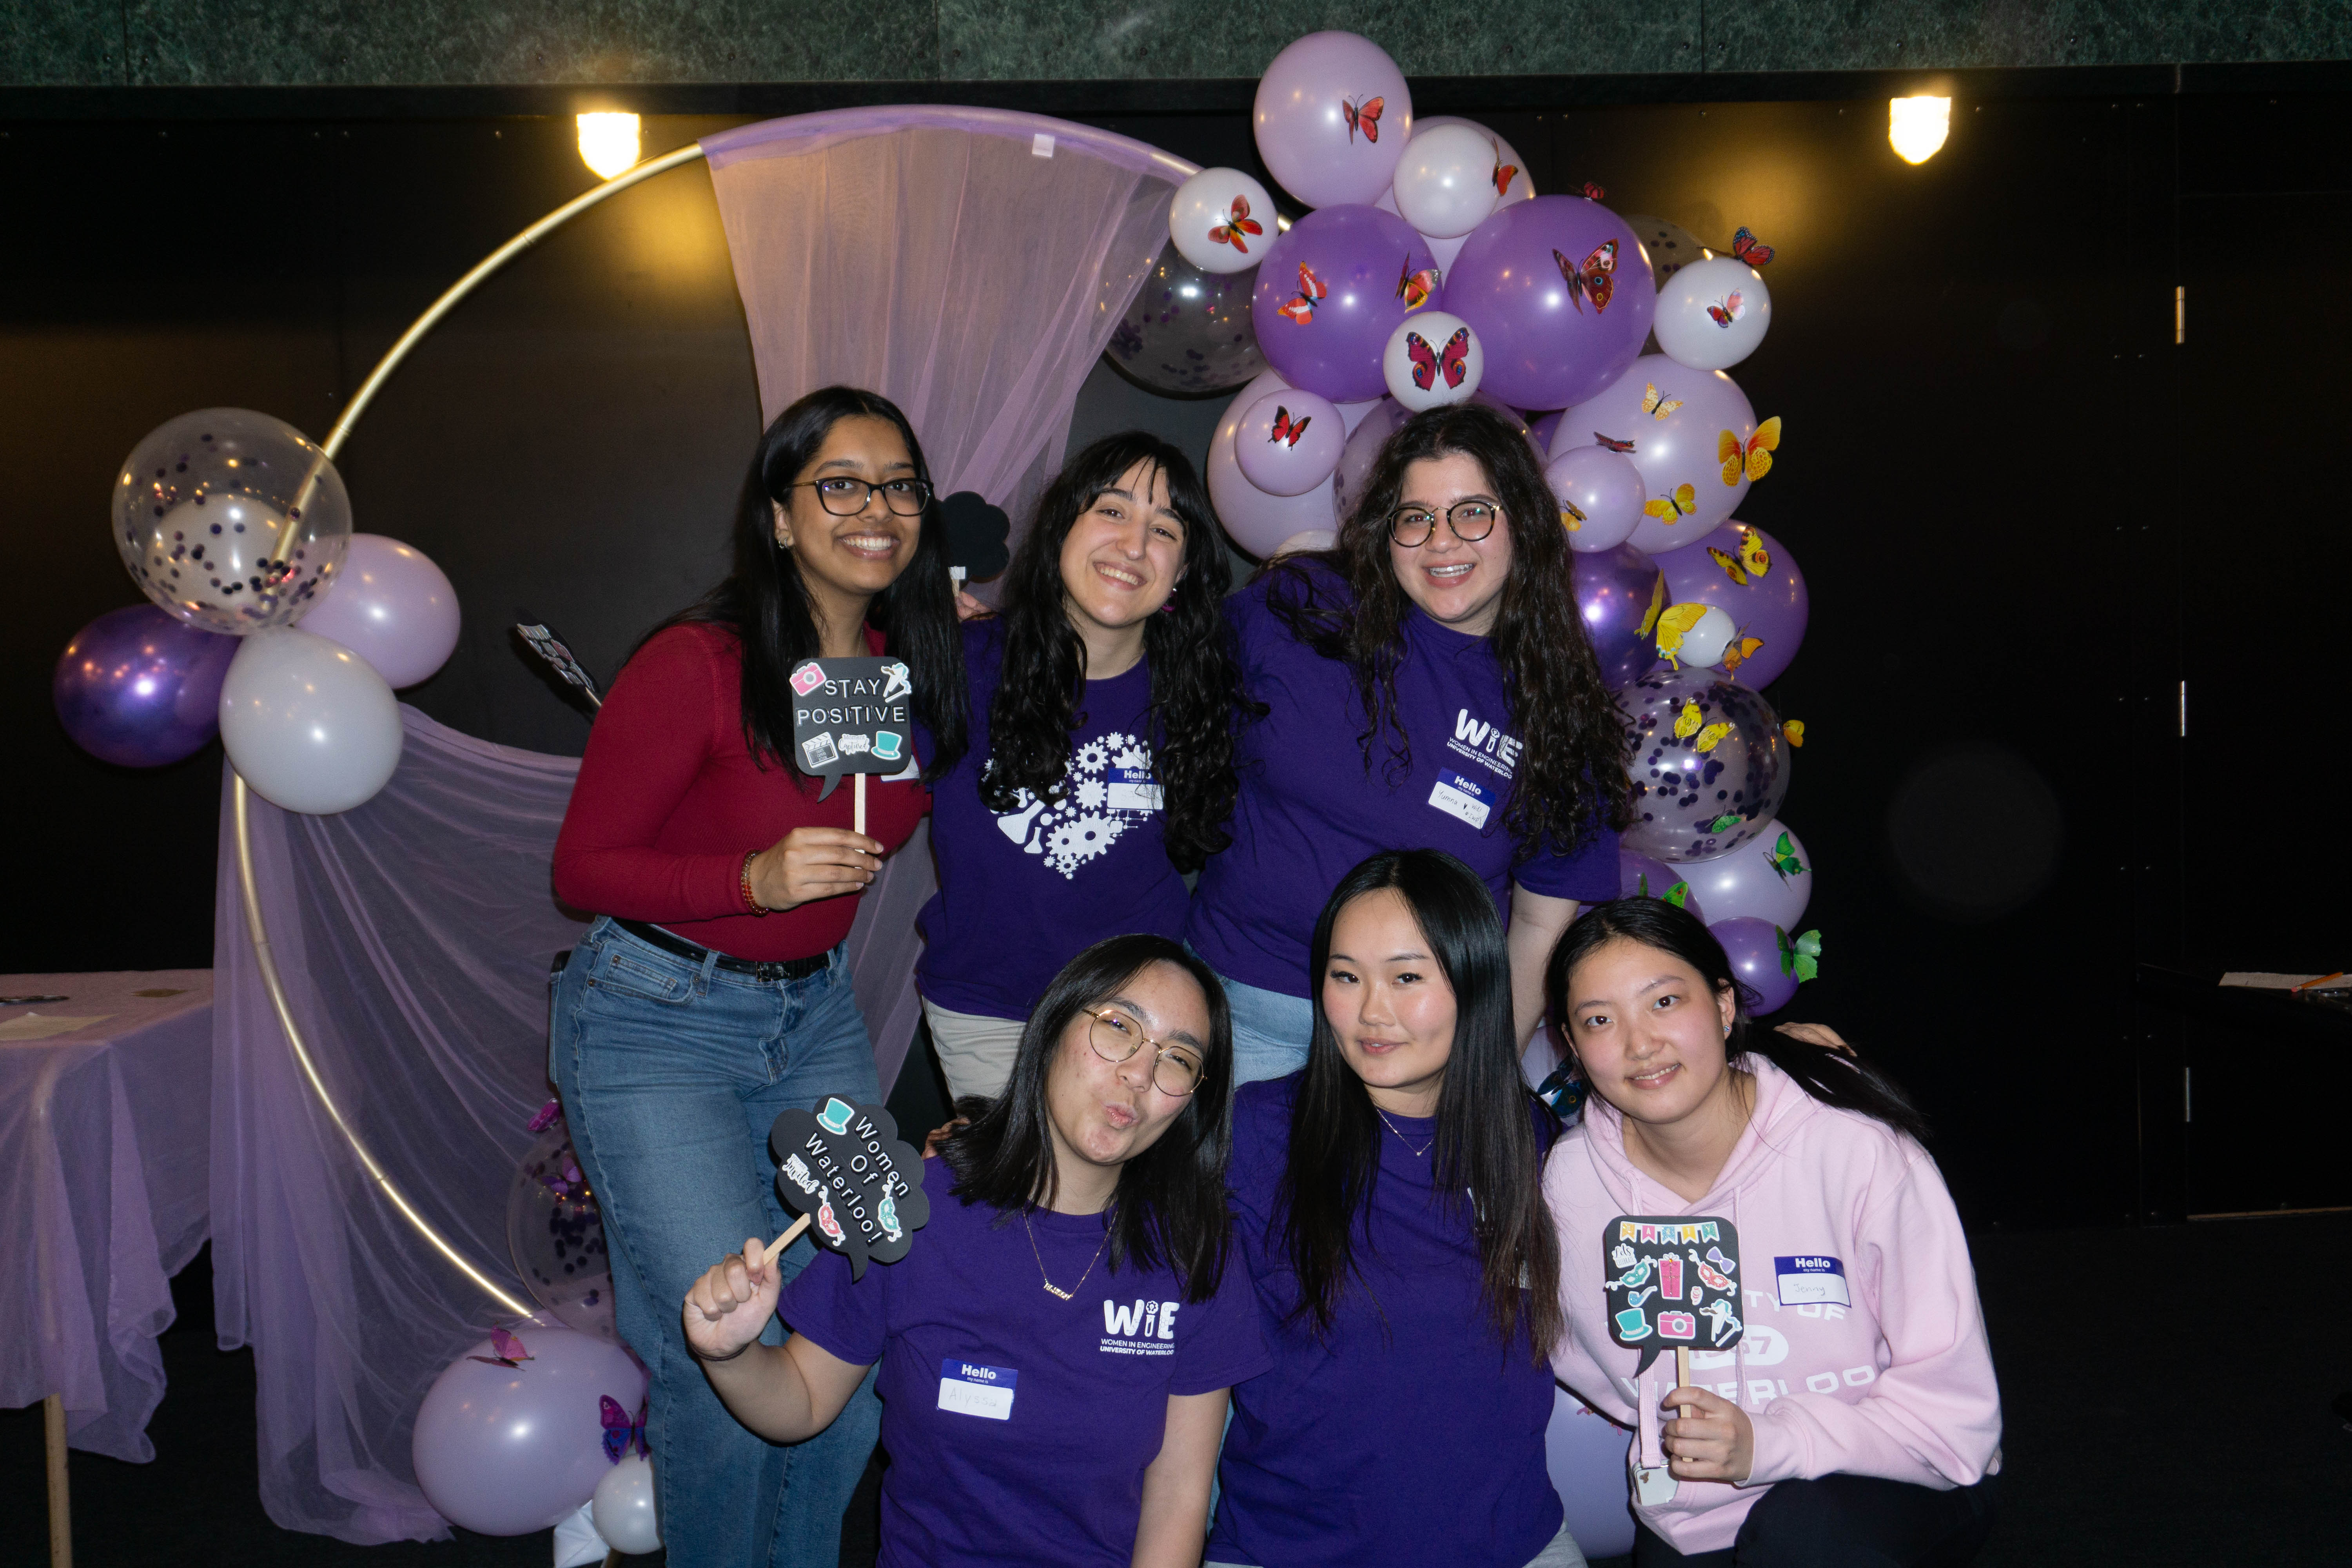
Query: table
[[105, 1162]]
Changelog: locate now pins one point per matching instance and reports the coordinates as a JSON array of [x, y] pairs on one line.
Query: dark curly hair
[[1571, 777], [1195, 675]]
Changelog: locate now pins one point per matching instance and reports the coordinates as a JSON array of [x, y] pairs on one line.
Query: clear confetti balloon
[[1188, 333], [230, 520], [1708, 762], [556, 1236]]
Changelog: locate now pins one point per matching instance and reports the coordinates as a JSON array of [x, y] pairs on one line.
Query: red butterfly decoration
[[1593, 193], [507, 1350], [1427, 364], [1365, 117], [1613, 446], [1238, 224], [1750, 249], [1504, 174], [1414, 288], [1311, 290], [1727, 313], [1286, 428], [1595, 278]]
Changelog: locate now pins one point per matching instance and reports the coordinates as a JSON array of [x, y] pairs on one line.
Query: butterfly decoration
[[1611, 443], [549, 1115], [1311, 291], [1364, 117], [1726, 823], [1783, 857], [1673, 507], [1755, 457], [1414, 288], [1711, 737], [622, 1433], [1657, 404], [1795, 729], [1750, 250], [1570, 518], [1563, 1090], [1800, 956], [1237, 222], [1593, 193], [1678, 895], [1428, 363], [1596, 277], [1724, 312], [1287, 429], [1504, 173], [505, 1350], [1741, 650], [1688, 723], [1657, 606], [1672, 625]]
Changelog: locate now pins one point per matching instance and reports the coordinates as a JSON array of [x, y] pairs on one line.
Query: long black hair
[[1830, 1076], [765, 603], [1170, 1206], [1487, 1143], [1195, 675], [1572, 775]]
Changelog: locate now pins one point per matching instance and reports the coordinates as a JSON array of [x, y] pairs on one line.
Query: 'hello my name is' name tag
[[1457, 796], [969, 1388], [1811, 1278]]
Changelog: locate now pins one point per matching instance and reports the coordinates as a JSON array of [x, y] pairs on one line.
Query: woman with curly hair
[[1100, 763], [1429, 685]]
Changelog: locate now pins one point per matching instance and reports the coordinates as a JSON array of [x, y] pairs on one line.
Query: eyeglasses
[[1116, 1037], [1471, 522], [845, 497]]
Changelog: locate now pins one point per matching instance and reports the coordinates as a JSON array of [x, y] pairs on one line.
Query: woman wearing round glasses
[[1056, 1347], [713, 992], [1428, 686]]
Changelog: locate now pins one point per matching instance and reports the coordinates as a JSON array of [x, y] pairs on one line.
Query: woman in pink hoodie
[[1852, 1416]]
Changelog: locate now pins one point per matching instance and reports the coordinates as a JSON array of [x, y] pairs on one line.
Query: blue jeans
[[672, 1072], [1270, 1031]]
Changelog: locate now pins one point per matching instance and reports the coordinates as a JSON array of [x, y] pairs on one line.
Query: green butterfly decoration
[[1783, 857], [1800, 955], [1725, 823], [1678, 895]]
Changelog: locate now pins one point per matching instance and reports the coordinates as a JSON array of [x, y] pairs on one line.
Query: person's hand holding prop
[[1674, 1281], [853, 716]]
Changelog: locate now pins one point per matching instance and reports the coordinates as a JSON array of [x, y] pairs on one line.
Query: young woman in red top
[[712, 992]]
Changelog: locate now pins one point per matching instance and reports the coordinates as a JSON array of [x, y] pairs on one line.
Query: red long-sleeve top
[[668, 802]]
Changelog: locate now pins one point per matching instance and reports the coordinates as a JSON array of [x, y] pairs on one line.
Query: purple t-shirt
[[1019, 1424], [1412, 1435], [1309, 810], [1023, 893]]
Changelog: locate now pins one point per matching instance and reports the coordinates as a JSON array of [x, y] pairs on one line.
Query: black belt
[[670, 941]]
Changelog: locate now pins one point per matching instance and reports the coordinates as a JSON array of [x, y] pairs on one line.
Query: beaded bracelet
[[744, 885]]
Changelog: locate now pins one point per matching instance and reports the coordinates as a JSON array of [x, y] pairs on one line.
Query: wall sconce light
[[1916, 126], [608, 142]]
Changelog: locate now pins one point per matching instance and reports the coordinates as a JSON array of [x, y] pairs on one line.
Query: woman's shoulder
[[1262, 1113], [686, 656]]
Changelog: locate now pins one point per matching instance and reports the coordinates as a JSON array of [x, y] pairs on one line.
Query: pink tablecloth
[[104, 1163]]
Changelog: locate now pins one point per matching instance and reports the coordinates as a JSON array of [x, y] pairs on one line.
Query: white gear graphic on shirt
[[1083, 823]]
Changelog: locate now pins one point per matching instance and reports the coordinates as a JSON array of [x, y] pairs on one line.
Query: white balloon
[[623, 1509], [1705, 644], [1712, 314], [1432, 358], [1306, 539], [308, 723], [1222, 221], [1755, 880], [1444, 183]]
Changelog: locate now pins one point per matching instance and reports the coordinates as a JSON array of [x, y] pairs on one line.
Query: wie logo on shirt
[[1486, 743], [1143, 1328]]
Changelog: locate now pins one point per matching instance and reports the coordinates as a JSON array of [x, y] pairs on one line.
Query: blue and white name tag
[[1133, 789], [969, 1388], [1808, 1280], [1457, 796]]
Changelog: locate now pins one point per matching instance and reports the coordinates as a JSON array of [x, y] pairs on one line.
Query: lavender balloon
[[140, 687], [507, 1449], [391, 607], [1754, 947], [1541, 429], [1619, 593], [1187, 332], [1330, 292], [1771, 605], [1600, 496], [1640, 876], [1289, 442], [1558, 290], [1255, 521], [1676, 418], [1331, 117], [1770, 878], [1363, 448], [1691, 803]]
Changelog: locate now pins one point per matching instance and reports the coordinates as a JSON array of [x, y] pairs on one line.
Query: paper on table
[[41, 1025]]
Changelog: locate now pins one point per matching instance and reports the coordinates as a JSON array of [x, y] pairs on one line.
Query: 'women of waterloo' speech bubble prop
[[1672, 1282], [845, 1169], [852, 716]]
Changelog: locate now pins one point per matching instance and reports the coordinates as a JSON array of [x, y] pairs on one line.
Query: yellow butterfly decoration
[[1711, 737], [1750, 565], [1755, 457], [1741, 650], [1672, 626], [1671, 509], [1657, 404], [1795, 729], [1688, 723], [1657, 603], [1570, 518]]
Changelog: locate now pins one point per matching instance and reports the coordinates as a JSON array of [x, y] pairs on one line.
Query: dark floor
[[2150, 1422]]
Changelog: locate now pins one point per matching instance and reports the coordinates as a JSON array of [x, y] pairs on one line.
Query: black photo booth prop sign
[[1674, 1283], [852, 716], [843, 1166]]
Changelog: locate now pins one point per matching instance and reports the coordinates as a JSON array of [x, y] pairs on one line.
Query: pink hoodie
[[1893, 1380]]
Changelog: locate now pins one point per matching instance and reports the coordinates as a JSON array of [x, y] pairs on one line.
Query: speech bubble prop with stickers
[[1672, 1283], [858, 1187], [852, 716]]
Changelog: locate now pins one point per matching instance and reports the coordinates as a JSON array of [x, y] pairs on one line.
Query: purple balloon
[[1540, 428], [1356, 255], [1605, 488], [1256, 521], [391, 607], [1754, 947], [1756, 881], [1616, 591], [1676, 441], [1640, 876], [1772, 609], [1690, 804], [1311, 119], [505, 1450], [1289, 442], [1549, 344], [140, 688], [1364, 444]]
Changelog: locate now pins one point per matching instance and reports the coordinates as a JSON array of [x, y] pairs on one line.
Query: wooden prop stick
[[775, 1248], [1682, 1366], [858, 810]]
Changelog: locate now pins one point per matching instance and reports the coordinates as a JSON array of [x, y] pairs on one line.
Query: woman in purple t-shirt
[[1428, 685], [1101, 760]]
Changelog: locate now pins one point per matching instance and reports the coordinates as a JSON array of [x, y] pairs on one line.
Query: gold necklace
[[1392, 1126], [1070, 1294]]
